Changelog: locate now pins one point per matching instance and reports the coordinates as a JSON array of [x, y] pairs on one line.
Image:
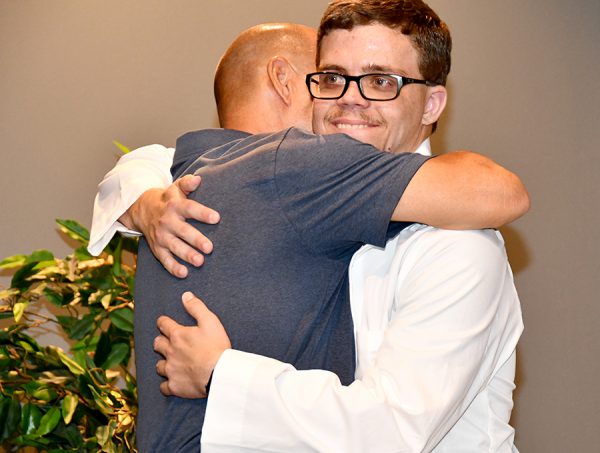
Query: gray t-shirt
[[294, 208]]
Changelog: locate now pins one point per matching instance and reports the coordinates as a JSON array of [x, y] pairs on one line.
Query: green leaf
[[71, 364], [88, 344], [54, 297], [44, 393], [74, 230], [49, 421], [10, 414], [66, 322], [69, 404], [33, 440], [118, 354], [72, 435], [19, 309], [25, 345], [19, 279], [30, 418], [40, 255], [48, 266], [102, 349], [102, 400], [123, 319], [13, 261], [82, 327], [121, 146], [82, 254], [117, 270]]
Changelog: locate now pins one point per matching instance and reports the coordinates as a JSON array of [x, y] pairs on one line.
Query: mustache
[[352, 115]]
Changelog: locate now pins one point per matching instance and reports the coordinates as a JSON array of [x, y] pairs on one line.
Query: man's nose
[[352, 96]]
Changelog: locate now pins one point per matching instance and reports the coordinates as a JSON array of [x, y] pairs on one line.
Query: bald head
[[261, 77]]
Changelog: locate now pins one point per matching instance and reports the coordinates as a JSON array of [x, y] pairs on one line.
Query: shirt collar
[[424, 148]]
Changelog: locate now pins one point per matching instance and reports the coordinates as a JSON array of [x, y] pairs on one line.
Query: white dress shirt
[[437, 320]]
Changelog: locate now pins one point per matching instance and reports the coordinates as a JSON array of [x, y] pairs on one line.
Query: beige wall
[[524, 89]]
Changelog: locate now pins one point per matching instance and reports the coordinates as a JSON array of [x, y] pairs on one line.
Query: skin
[[399, 125]]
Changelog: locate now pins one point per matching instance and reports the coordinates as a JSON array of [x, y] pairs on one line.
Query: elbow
[[515, 202], [522, 201]]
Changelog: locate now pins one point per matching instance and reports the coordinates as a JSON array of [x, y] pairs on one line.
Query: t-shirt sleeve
[[338, 192]]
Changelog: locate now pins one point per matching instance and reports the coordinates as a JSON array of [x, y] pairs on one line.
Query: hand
[[160, 215], [191, 353]]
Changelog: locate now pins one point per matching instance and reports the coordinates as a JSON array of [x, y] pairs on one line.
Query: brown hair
[[413, 18]]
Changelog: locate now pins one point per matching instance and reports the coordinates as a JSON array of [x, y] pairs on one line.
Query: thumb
[[194, 306], [188, 183]]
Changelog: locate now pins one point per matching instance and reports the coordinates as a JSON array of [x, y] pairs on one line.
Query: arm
[[462, 190], [437, 354], [135, 172], [137, 196]]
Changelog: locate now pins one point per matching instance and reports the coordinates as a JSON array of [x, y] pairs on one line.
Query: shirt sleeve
[[337, 191], [456, 320], [142, 169]]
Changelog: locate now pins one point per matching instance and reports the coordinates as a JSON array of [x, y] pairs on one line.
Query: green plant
[[84, 399]]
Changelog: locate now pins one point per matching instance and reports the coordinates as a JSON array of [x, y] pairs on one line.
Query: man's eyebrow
[[365, 69], [332, 67], [380, 68]]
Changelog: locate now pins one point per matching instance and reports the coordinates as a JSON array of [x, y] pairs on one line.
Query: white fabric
[[135, 172], [437, 319]]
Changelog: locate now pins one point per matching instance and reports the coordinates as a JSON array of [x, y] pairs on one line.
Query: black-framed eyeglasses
[[372, 87]]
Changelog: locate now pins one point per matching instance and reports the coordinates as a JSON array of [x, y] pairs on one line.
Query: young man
[[373, 414]]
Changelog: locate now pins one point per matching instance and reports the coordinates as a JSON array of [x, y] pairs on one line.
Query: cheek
[[318, 114]]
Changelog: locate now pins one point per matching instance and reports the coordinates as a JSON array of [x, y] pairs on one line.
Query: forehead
[[369, 47]]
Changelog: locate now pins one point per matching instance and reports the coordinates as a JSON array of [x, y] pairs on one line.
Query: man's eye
[[333, 79], [382, 82]]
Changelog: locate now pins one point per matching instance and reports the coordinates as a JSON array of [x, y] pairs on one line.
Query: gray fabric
[[294, 208]]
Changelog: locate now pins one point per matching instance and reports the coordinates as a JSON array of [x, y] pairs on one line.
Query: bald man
[[272, 300]]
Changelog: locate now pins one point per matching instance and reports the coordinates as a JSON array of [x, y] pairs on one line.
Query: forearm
[[463, 190], [135, 173]]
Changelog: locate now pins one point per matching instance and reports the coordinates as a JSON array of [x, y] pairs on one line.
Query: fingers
[[188, 183], [185, 234], [166, 252], [204, 214], [194, 209], [161, 345], [161, 368], [166, 326], [195, 307], [169, 262], [164, 388]]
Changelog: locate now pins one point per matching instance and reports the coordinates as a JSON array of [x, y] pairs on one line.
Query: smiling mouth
[[351, 126]]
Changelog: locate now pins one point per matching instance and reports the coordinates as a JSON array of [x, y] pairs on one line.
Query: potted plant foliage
[[83, 399]]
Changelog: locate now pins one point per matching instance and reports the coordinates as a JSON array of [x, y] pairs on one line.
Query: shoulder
[[299, 147], [481, 248], [294, 139]]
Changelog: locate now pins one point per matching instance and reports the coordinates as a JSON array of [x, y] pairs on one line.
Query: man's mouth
[[352, 123], [351, 126]]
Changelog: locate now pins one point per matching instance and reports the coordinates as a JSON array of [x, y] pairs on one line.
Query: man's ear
[[280, 72], [435, 104]]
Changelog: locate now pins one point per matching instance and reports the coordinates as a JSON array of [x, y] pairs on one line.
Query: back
[[294, 208]]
